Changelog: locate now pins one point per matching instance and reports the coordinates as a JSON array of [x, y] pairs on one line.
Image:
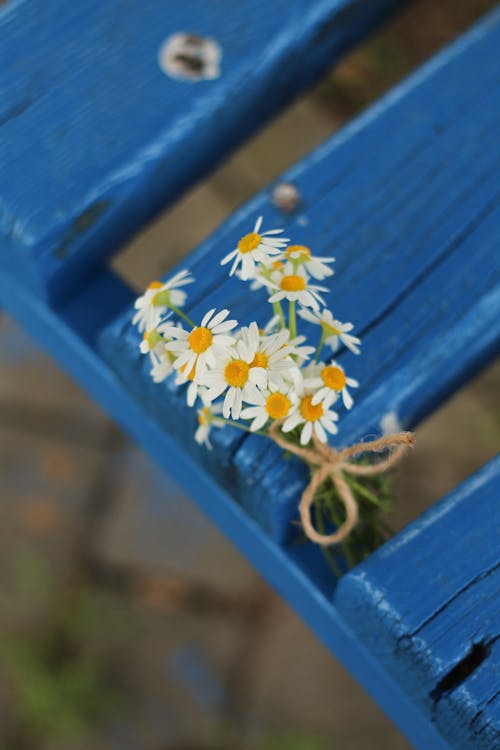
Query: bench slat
[[407, 199], [95, 138], [427, 604]]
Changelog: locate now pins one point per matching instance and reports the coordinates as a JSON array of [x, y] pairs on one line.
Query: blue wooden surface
[[95, 138], [298, 573], [407, 198], [429, 600]]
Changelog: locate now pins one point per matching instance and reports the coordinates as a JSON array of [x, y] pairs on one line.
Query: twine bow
[[332, 463]]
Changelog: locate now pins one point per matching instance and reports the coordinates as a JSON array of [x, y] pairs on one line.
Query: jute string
[[332, 463]]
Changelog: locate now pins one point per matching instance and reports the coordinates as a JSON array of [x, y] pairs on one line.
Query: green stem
[[363, 491], [346, 545], [349, 554], [320, 345], [278, 310], [292, 321], [182, 315], [327, 554]]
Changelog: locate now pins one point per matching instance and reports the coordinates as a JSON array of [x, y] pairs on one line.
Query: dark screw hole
[[193, 63]]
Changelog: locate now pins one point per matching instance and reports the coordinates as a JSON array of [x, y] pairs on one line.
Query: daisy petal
[[228, 257], [306, 433], [206, 318], [320, 433], [228, 403]]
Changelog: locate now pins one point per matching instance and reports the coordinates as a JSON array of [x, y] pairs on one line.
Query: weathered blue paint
[[407, 199], [297, 572], [95, 138], [429, 600]]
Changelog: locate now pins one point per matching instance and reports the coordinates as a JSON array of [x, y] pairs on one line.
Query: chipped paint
[[190, 57], [286, 197], [80, 225], [390, 423]]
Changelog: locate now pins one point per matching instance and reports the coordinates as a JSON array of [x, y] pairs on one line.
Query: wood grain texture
[[95, 138], [407, 199], [427, 604]]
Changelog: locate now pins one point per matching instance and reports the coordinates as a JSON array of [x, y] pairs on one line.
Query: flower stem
[[320, 345], [278, 310], [292, 321], [327, 553], [363, 491], [182, 315], [346, 544]]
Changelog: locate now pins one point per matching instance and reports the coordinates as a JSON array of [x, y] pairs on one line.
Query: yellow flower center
[[200, 339], [333, 377], [204, 416], [236, 373], [310, 412], [249, 242], [277, 264], [278, 405], [298, 252], [260, 360], [293, 283], [155, 285]]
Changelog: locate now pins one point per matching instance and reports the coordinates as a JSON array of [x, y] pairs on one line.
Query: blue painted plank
[[298, 573], [95, 138], [427, 604], [407, 216]]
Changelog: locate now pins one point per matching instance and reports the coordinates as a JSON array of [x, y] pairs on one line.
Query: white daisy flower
[[162, 367], [263, 271], [152, 343], [200, 347], [329, 378], [147, 316], [238, 375], [317, 417], [152, 305], [207, 418], [272, 353], [269, 404], [293, 285], [316, 266], [255, 247], [333, 330]]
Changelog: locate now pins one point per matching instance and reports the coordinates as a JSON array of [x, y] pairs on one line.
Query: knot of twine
[[332, 463]]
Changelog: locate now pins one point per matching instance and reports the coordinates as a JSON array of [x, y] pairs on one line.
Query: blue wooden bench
[[407, 195]]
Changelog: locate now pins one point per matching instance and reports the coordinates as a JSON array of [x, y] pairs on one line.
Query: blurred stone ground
[[164, 621]]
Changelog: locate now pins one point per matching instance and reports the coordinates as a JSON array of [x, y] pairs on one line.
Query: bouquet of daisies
[[265, 373]]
